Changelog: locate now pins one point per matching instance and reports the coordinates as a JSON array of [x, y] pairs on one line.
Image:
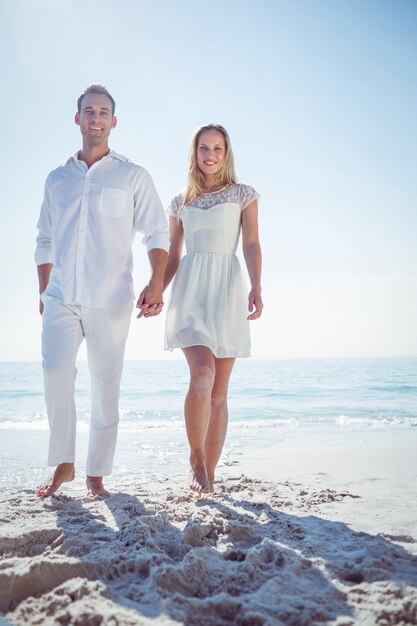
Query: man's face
[[95, 119]]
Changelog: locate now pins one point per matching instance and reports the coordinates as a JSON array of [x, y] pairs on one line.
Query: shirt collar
[[112, 153]]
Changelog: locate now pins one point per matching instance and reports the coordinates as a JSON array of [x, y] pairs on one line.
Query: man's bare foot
[[95, 487], [198, 480], [63, 473]]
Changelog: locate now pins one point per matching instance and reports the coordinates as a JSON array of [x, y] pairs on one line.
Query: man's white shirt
[[87, 224]]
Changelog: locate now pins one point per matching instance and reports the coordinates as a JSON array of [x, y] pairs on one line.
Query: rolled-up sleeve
[[44, 251], [149, 214]]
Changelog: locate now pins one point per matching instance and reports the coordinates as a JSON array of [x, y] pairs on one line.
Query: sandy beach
[[300, 536]]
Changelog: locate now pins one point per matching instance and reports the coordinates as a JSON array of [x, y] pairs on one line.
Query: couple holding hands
[[92, 207]]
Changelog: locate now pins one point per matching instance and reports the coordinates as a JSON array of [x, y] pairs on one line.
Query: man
[[92, 207]]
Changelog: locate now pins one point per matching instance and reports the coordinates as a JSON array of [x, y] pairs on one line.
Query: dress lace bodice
[[238, 193]]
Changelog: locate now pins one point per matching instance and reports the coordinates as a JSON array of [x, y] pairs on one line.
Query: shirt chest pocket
[[113, 202]]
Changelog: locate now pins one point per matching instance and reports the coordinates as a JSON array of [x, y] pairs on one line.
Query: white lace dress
[[209, 301]]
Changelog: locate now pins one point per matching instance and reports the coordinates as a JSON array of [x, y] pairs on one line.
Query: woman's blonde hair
[[195, 179]]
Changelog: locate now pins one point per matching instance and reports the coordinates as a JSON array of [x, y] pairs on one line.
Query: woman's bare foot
[[95, 487], [198, 480], [210, 477], [63, 473]]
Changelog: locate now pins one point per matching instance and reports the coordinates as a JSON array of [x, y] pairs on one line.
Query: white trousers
[[105, 332]]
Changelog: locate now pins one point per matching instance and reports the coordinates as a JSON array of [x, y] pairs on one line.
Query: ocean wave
[[394, 421], [341, 421], [35, 425], [21, 393], [176, 423], [394, 388]]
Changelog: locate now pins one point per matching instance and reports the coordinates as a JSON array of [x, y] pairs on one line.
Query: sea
[[272, 402]]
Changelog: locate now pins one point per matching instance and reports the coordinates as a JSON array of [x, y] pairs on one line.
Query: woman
[[207, 315]]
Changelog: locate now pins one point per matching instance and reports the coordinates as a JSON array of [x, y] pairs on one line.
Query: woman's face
[[211, 153]]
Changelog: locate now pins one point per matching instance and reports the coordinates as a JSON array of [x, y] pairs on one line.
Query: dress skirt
[[208, 305]]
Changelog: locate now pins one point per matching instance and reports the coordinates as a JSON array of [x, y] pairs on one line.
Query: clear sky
[[320, 100]]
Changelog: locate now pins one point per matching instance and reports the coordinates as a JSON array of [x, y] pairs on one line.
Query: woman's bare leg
[[197, 409], [216, 432]]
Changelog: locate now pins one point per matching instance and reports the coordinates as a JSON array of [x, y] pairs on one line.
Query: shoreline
[[380, 476]]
